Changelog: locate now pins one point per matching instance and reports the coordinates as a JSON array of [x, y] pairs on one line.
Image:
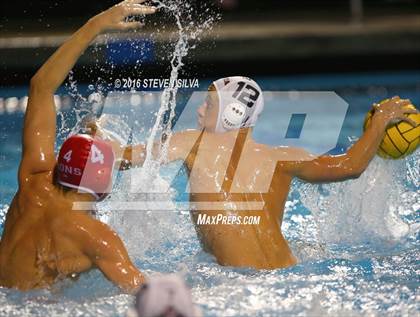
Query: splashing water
[[148, 179], [187, 30], [369, 210], [376, 211]]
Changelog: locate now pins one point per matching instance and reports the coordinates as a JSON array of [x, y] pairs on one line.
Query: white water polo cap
[[165, 295], [241, 101]]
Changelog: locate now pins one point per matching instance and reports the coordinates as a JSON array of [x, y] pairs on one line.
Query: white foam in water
[[365, 210], [379, 207], [323, 285]]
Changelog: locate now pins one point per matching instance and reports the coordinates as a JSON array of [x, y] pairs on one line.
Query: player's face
[[208, 112]]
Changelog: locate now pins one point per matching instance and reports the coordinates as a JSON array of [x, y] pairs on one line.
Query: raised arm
[[40, 118], [355, 161]]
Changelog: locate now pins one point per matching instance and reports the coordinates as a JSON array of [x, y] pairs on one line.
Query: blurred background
[[364, 50], [252, 37]]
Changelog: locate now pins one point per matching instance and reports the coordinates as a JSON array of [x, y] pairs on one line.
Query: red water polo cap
[[86, 163]]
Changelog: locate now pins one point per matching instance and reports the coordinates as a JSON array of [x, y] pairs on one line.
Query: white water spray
[[369, 209], [146, 230], [186, 33]]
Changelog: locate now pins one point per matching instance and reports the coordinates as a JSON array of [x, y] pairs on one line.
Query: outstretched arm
[[355, 161], [40, 118], [180, 145]]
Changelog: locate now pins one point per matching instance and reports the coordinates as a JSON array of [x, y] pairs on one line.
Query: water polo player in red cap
[[44, 238]]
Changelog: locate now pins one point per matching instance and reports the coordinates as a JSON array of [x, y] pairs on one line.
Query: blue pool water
[[357, 241]]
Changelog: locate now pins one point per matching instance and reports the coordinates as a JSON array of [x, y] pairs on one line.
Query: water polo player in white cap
[[164, 296], [238, 188]]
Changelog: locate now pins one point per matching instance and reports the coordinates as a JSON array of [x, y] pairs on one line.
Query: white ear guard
[[233, 116]]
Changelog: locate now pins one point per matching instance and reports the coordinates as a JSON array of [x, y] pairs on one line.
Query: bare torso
[[39, 243], [45, 240], [251, 175]]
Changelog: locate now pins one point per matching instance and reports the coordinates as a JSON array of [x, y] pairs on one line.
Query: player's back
[[232, 175], [34, 247]]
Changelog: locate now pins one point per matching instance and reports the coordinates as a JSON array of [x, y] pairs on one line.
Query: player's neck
[[82, 202], [76, 196], [246, 133]]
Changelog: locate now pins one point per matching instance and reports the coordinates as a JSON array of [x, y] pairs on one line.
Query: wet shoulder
[[184, 140], [38, 188], [277, 156]]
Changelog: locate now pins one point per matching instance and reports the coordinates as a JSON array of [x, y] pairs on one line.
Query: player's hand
[[115, 17], [394, 110], [94, 128]]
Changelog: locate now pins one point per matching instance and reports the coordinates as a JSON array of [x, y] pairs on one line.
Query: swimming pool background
[[357, 241]]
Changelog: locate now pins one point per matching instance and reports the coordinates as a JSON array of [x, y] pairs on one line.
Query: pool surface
[[357, 241]]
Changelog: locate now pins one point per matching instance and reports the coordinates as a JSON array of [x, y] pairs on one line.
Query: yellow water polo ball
[[401, 139]]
